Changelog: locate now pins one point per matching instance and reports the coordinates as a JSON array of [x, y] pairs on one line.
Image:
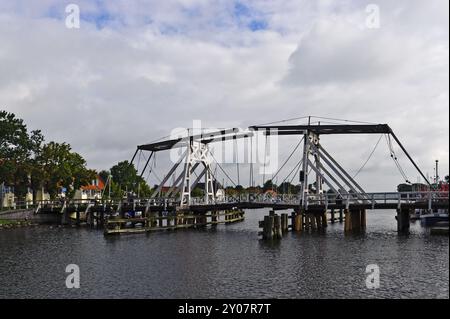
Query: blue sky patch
[[256, 25]]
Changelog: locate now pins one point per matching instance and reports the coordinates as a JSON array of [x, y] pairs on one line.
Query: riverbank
[[7, 224]]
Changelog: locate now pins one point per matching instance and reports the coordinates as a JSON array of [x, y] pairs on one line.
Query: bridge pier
[[297, 221], [332, 220], [267, 232], [355, 220], [277, 227], [403, 220], [65, 218]]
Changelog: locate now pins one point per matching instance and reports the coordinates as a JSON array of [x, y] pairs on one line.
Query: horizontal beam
[[326, 129], [217, 136]]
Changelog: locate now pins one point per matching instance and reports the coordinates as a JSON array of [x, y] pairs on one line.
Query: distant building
[[92, 191], [7, 198]]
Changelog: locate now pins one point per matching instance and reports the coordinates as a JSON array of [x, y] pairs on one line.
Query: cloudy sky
[[137, 69]]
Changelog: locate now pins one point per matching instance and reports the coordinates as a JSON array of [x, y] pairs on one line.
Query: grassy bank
[[5, 223]]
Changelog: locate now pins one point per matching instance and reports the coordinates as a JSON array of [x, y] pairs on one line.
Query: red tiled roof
[[99, 187]]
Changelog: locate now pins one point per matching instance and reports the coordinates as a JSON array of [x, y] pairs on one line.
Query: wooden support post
[[90, 219], [214, 218], [293, 215], [403, 221], [298, 222], [341, 217], [160, 221], [313, 220], [65, 218], [284, 223], [307, 223], [356, 220], [363, 219], [278, 234], [318, 221], [268, 227], [154, 222], [324, 219], [332, 216], [175, 219], [348, 221]]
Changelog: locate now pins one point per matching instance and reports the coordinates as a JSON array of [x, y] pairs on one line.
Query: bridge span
[[324, 187]]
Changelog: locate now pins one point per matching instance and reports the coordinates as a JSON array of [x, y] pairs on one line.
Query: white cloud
[[152, 66]]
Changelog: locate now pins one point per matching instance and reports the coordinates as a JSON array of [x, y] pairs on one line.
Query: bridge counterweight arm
[[410, 158]]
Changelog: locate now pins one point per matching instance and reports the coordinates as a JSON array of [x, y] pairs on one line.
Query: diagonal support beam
[[176, 184], [343, 175], [315, 169], [172, 170], [146, 163]]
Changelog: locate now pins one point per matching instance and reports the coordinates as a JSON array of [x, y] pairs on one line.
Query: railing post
[[429, 201]]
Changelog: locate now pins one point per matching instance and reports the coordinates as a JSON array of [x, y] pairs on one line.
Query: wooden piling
[[318, 219], [268, 227], [298, 222], [363, 219], [284, 223], [293, 215], [341, 217], [348, 223], [403, 221], [324, 219], [332, 216], [312, 221], [214, 219], [356, 220], [278, 234]]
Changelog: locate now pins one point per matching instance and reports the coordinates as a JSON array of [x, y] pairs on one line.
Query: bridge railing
[[325, 199], [331, 198]]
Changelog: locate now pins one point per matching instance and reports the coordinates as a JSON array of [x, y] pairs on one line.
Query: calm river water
[[227, 262]]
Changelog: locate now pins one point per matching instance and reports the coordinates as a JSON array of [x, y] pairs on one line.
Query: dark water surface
[[228, 262]]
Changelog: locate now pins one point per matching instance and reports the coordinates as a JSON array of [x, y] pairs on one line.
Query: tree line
[[28, 163]]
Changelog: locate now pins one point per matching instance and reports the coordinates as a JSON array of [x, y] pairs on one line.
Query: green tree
[[285, 188], [57, 166], [18, 150], [125, 176], [268, 185], [197, 192]]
